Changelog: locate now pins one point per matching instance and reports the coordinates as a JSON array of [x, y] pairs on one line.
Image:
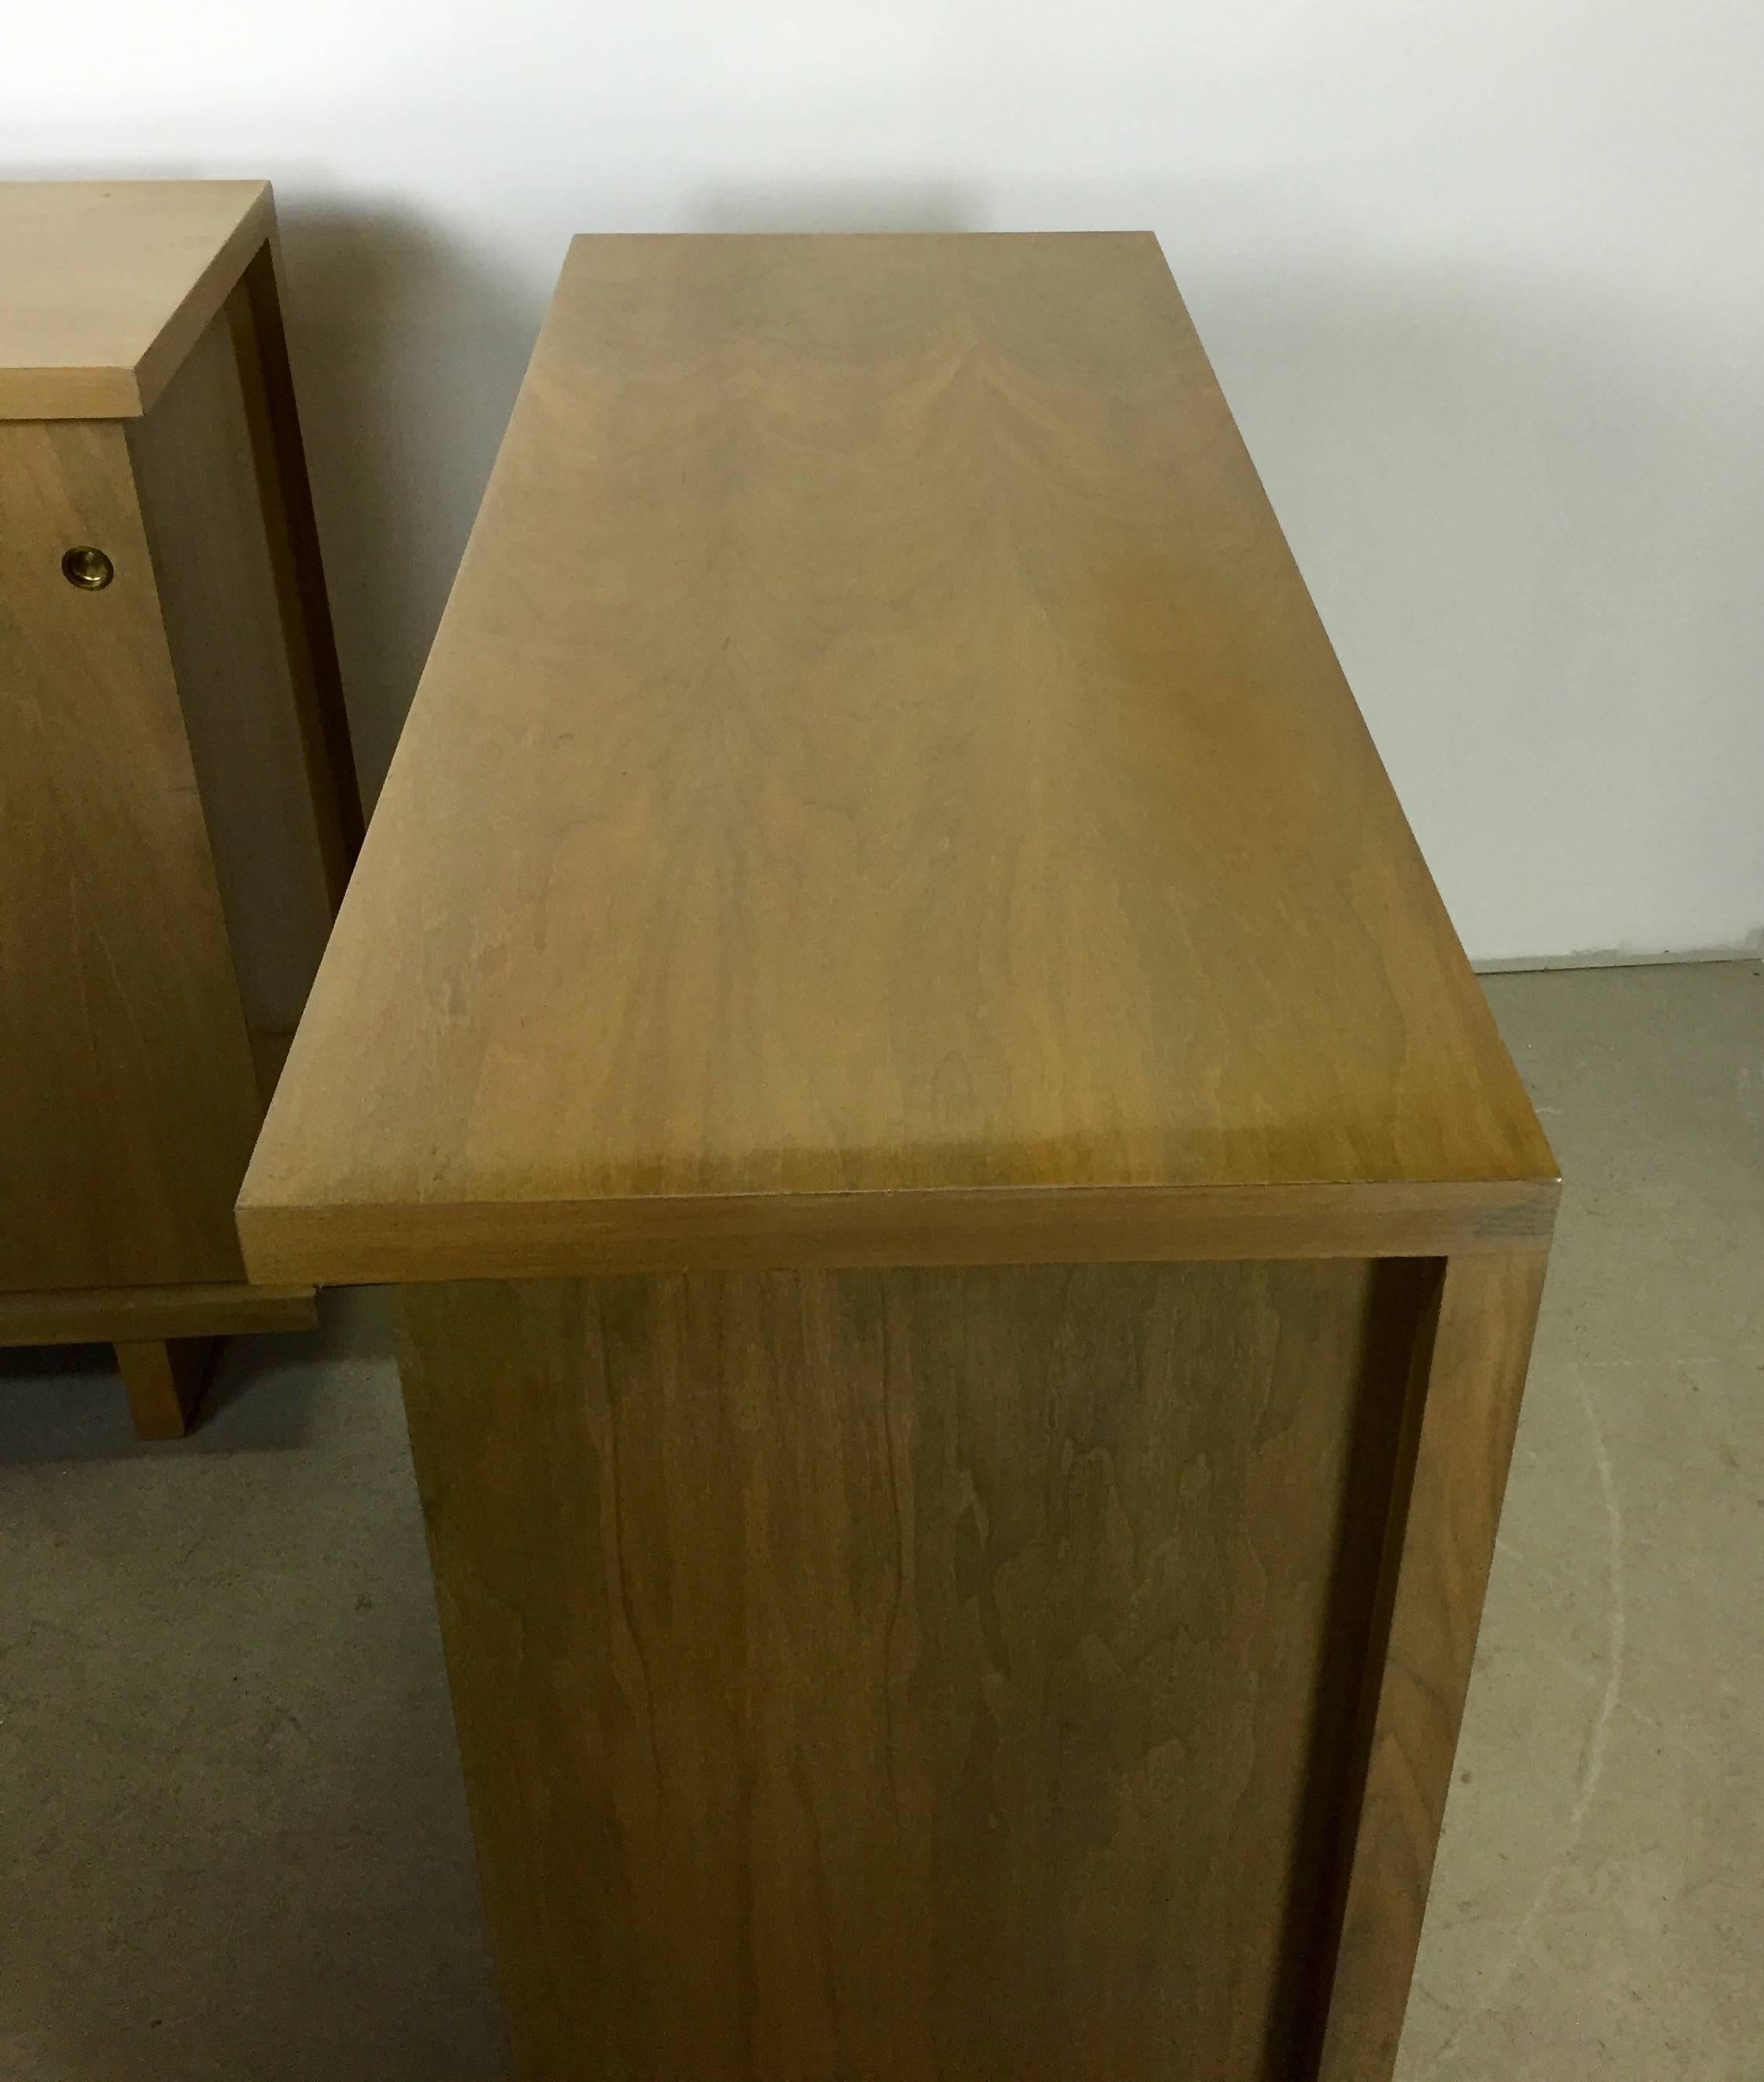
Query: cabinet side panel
[[260, 342], [204, 508], [921, 1673], [128, 1104], [1442, 1549]]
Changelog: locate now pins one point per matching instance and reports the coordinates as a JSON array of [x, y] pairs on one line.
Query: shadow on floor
[[66, 1402]]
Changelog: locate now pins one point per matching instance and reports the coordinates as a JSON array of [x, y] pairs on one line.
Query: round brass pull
[[88, 567]]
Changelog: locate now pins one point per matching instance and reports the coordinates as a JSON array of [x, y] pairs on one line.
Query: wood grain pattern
[[878, 744], [108, 283], [80, 1316], [128, 1104], [921, 1674], [165, 1382], [1444, 1545]]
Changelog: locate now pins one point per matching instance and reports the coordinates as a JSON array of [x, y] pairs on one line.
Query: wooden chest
[[967, 1244], [178, 805]]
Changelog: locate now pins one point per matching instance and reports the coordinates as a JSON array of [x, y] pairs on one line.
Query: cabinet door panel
[[128, 1104]]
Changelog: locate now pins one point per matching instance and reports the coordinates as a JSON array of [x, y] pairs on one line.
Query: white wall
[[1484, 283]]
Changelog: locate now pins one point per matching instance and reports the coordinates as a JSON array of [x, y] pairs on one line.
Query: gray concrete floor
[[232, 1838]]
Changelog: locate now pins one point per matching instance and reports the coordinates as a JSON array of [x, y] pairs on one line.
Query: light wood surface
[[922, 1673], [129, 1101], [1442, 1539], [80, 1316], [878, 745], [165, 1382], [106, 283], [203, 502]]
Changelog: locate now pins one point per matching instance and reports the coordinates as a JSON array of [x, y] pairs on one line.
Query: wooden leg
[[925, 1673], [1440, 1546], [164, 1377]]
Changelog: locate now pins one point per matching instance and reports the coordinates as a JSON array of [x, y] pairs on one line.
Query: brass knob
[[88, 567]]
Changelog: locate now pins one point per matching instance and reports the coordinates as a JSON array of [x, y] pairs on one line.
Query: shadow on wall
[[1522, 511], [832, 205], [408, 347], [1524, 504]]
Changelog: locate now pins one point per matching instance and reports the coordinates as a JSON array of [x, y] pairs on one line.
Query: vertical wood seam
[[1354, 1788], [260, 348], [1468, 1417]]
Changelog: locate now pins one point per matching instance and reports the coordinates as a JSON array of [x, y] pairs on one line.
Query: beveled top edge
[[879, 762], [108, 283]]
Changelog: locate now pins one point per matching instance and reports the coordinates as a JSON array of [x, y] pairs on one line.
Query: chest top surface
[[104, 285], [879, 757]]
